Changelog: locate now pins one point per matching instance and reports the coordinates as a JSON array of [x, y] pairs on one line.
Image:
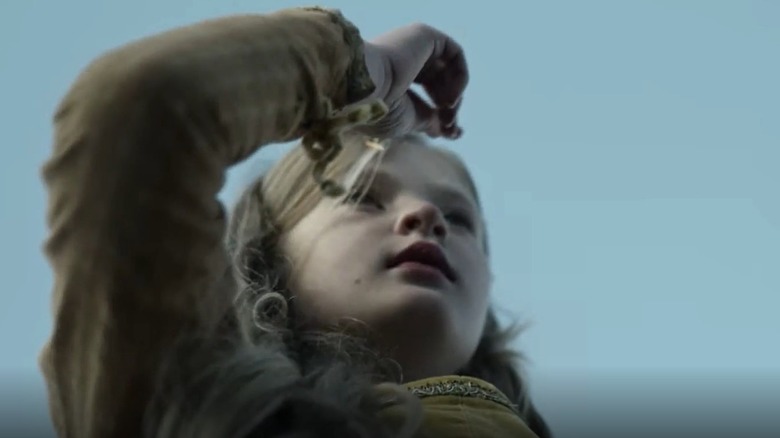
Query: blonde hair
[[317, 377]]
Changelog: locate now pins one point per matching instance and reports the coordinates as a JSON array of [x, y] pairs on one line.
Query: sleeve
[[142, 142]]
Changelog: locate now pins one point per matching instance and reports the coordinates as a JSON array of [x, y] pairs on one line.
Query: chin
[[422, 306]]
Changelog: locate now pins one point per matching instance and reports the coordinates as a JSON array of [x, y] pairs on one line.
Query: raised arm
[[142, 142]]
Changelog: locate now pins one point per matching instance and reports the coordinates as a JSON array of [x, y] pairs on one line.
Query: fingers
[[445, 74], [421, 54], [448, 117], [426, 117], [435, 122]]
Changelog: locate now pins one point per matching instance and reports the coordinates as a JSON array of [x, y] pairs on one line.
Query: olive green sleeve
[[142, 142]]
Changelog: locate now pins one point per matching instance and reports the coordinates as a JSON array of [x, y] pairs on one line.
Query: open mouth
[[426, 254]]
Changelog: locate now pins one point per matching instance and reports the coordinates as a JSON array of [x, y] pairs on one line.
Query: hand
[[417, 54]]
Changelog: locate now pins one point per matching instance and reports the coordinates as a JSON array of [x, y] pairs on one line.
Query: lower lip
[[419, 271]]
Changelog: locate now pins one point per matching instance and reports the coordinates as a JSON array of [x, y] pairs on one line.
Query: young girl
[[352, 299]]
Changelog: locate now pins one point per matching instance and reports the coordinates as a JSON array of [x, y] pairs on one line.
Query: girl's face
[[404, 255]]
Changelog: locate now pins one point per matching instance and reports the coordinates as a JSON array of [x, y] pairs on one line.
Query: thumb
[[435, 122], [426, 117]]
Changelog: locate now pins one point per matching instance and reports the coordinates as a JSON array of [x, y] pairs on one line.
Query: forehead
[[423, 166]]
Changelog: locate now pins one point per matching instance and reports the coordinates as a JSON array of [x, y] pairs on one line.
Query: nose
[[425, 219]]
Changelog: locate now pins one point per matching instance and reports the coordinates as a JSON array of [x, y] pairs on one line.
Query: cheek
[[482, 287], [475, 265], [480, 281], [325, 270], [314, 250]]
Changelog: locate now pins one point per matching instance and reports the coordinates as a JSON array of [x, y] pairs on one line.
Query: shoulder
[[464, 407]]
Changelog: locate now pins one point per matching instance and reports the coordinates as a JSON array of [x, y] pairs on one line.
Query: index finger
[[445, 75]]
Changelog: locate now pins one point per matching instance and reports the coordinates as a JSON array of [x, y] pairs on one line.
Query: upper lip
[[426, 253]]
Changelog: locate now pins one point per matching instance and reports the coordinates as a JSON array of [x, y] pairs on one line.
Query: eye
[[460, 219], [364, 198]]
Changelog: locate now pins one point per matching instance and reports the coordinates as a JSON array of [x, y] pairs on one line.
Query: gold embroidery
[[462, 389]]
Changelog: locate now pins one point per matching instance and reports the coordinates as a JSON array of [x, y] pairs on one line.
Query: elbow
[[127, 86], [125, 123], [124, 107]]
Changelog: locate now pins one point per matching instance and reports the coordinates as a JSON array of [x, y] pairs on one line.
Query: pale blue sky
[[627, 153]]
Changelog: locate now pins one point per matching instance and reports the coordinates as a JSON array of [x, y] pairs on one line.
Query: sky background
[[627, 153]]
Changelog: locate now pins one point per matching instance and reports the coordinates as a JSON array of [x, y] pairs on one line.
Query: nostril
[[412, 223]]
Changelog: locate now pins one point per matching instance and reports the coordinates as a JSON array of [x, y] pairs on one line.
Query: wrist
[[358, 83]]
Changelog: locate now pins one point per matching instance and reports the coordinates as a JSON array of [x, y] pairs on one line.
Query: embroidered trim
[[358, 81], [462, 389]]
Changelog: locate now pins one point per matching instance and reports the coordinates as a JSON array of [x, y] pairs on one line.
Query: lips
[[425, 253]]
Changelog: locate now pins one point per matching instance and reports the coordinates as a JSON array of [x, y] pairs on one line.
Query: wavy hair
[[277, 378]]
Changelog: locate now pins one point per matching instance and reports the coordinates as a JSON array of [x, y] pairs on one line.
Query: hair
[[278, 373]]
